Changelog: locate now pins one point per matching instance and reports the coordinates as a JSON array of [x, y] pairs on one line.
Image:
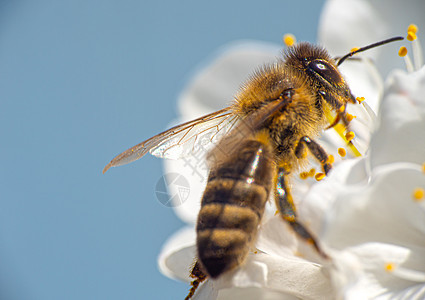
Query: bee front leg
[[318, 152], [198, 276], [286, 207], [338, 107]]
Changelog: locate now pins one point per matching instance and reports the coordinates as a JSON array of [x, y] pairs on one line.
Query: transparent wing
[[246, 128], [181, 140]]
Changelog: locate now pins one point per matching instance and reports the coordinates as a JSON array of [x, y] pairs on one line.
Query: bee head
[[317, 68]]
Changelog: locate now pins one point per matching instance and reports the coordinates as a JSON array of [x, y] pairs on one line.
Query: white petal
[[177, 256], [317, 206], [296, 277], [276, 238], [253, 293], [402, 124], [359, 272], [345, 24], [383, 211], [206, 290], [412, 292], [284, 276], [195, 171]]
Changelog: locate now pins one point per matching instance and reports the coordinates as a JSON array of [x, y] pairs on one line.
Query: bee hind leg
[[199, 278], [286, 207]]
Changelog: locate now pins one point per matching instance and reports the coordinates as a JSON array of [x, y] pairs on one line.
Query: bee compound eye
[[326, 71]]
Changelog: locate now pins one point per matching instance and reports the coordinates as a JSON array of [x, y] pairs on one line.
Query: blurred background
[[81, 81]]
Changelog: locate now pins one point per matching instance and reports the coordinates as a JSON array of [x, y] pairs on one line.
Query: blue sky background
[[81, 81]]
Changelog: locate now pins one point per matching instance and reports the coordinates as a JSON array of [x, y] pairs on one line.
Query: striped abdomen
[[232, 207]]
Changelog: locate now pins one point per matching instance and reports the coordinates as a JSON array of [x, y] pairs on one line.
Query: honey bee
[[262, 138]]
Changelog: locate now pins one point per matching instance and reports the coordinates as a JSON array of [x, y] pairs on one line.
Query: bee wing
[[245, 128], [180, 140]]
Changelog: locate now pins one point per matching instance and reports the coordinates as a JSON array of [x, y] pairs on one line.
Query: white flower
[[363, 213]]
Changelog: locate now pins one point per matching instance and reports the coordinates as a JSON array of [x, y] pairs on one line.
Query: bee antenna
[[351, 53]]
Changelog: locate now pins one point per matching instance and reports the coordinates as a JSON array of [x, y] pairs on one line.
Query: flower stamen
[[289, 39], [406, 274], [407, 61], [416, 46], [342, 152]]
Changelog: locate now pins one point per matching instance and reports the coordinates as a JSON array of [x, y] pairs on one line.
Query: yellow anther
[[350, 117], [403, 51], [360, 99], [411, 36], [423, 167], [342, 152], [354, 49], [412, 28], [276, 212], [255, 252], [418, 194], [331, 159], [342, 109], [319, 176], [389, 267], [350, 135], [312, 172], [304, 175], [289, 39]]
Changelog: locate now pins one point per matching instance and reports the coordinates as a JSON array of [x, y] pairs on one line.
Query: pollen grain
[[342, 152], [319, 176]]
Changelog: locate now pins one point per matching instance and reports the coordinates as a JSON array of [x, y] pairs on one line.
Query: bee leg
[[336, 105], [286, 207], [315, 149], [199, 278]]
